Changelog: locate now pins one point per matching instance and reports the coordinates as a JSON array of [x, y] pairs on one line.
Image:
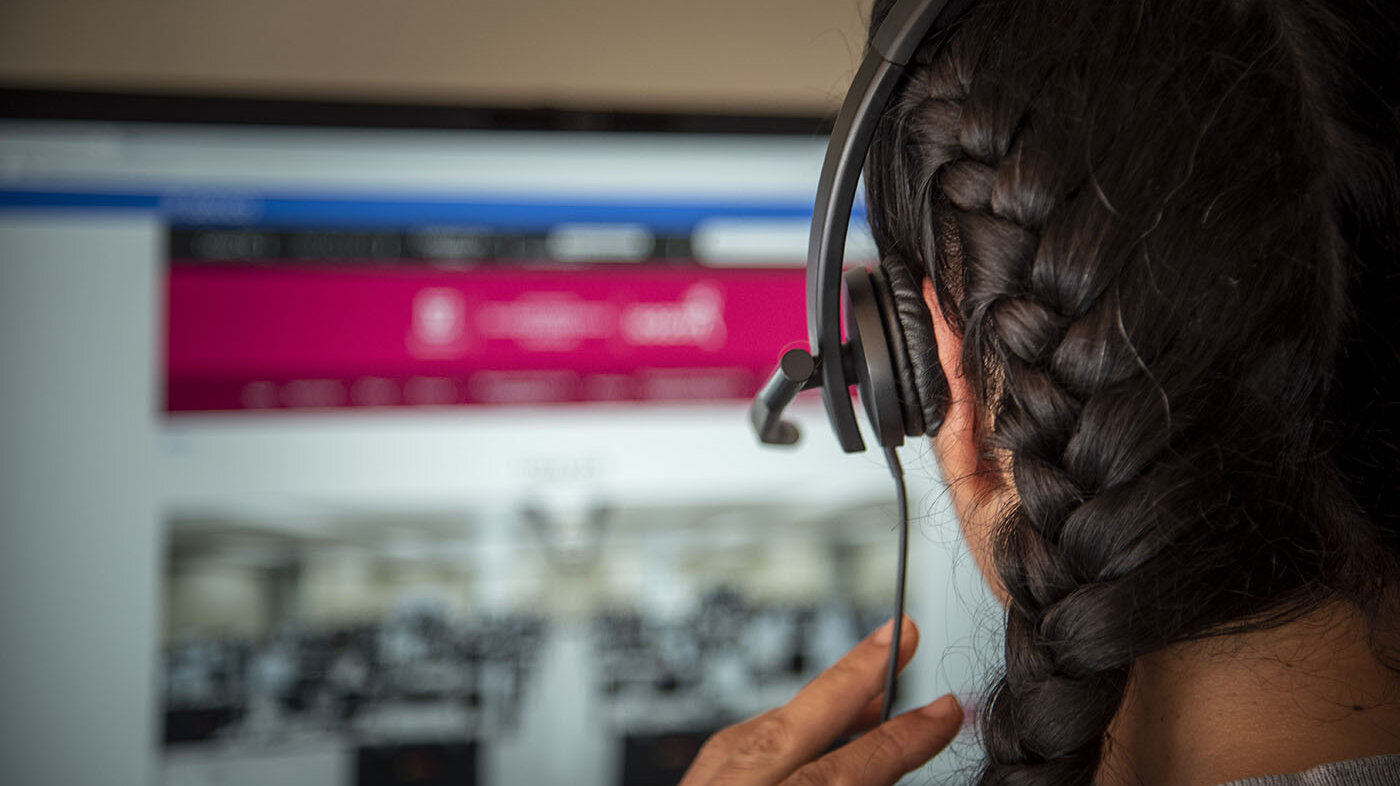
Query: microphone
[[796, 372]]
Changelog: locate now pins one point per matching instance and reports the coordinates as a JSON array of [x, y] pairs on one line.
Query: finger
[[769, 747], [832, 703], [890, 750], [707, 762], [869, 717]]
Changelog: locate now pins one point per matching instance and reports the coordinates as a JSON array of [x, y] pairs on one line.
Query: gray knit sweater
[[1371, 771]]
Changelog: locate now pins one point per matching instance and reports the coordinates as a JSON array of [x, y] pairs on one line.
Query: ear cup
[[922, 386], [907, 393], [867, 355]]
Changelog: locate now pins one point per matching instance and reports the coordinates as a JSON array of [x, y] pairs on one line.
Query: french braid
[[1151, 320]]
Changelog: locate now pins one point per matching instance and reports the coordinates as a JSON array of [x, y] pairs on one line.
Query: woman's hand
[[783, 745]]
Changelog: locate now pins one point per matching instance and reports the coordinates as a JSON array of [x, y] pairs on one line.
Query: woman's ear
[[956, 442], [978, 488]]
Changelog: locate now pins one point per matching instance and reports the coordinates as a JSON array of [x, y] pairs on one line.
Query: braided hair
[[1168, 232]]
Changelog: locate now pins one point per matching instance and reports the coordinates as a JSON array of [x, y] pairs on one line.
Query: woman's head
[[1166, 236]]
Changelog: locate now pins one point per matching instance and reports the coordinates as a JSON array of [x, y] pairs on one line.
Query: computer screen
[[447, 450]]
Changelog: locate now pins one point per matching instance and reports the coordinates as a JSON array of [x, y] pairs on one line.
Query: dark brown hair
[[1168, 232]]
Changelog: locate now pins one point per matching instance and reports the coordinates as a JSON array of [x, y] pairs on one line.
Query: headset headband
[[909, 22]]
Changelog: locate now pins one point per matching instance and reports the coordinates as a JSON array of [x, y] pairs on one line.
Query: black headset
[[890, 355]]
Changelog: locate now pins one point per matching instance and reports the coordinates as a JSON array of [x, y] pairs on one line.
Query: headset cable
[[892, 668]]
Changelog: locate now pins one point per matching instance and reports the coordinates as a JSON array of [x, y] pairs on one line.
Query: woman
[[1159, 244]]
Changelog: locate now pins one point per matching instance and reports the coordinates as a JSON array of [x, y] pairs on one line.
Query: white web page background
[[94, 474]]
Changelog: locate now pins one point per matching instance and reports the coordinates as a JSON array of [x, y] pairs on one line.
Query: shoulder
[[1370, 771]]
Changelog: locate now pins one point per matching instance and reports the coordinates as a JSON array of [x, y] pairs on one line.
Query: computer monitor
[[434, 424]]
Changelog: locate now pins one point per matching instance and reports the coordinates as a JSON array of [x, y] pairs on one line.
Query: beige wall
[[719, 55]]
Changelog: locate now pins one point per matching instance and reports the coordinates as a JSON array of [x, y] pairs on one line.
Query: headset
[[891, 380], [892, 362]]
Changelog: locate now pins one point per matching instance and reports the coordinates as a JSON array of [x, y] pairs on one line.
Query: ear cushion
[[923, 390]]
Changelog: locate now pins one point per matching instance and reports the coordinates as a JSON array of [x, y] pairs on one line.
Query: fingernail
[[942, 708], [883, 634]]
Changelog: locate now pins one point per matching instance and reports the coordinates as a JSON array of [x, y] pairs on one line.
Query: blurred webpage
[[453, 465]]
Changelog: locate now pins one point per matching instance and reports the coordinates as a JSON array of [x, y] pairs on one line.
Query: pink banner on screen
[[274, 338]]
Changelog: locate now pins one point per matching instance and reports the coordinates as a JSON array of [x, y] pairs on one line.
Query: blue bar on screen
[[185, 207]]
